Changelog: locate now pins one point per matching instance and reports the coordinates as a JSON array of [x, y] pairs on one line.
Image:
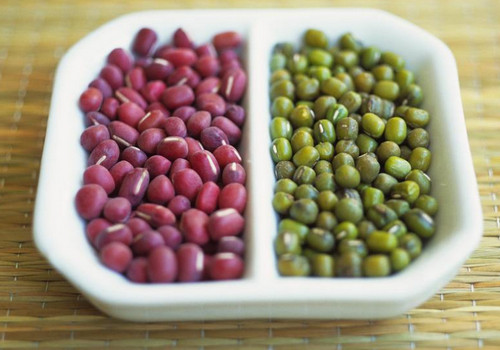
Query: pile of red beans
[[164, 191]]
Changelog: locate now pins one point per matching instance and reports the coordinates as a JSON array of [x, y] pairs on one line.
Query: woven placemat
[[39, 309]]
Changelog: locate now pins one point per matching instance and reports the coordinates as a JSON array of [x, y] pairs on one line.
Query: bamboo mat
[[39, 309]]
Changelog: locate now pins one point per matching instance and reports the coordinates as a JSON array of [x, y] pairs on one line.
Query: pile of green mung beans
[[351, 152]]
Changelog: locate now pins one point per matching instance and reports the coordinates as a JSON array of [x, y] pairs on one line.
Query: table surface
[[39, 309]]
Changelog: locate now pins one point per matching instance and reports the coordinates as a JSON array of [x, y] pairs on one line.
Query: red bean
[[126, 94], [180, 56], [208, 85], [159, 106], [229, 66], [225, 222], [193, 146], [207, 197], [171, 236], [197, 123], [153, 90], [205, 164], [149, 139], [138, 225], [119, 170], [226, 266], [184, 112], [233, 195], [116, 256], [153, 119], [155, 214], [227, 40], [120, 58], [158, 69], [213, 137], [231, 244], [113, 76], [187, 183], [105, 153], [130, 113], [236, 114], [181, 39], [162, 265], [184, 75], [103, 86], [134, 156], [233, 84], [228, 56], [179, 164], [161, 50], [96, 118], [226, 154], [233, 173], [157, 165], [190, 262], [94, 227], [137, 270], [212, 103], [174, 126], [93, 135], [117, 210], [91, 100], [145, 242], [134, 185], [231, 130], [136, 78], [144, 42], [179, 204], [123, 134], [115, 233], [110, 107], [177, 96], [172, 147], [206, 50], [160, 190], [99, 175], [207, 66], [194, 225]]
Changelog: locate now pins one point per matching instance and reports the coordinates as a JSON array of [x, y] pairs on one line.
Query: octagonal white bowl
[[261, 293]]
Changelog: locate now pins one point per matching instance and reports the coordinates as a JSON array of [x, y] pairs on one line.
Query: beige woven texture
[[39, 309]]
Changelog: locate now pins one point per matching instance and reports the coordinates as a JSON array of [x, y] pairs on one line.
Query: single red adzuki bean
[[117, 210], [119, 170], [226, 266], [144, 42], [137, 270], [157, 165], [225, 222], [179, 204], [171, 236], [105, 153], [120, 58], [93, 135], [233, 195], [115, 233], [116, 255], [160, 190], [190, 262], [194, 225], [99, 175], [162, 265], [145, 242], [91, 100]]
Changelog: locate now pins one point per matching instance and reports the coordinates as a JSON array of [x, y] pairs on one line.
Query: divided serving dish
[[261, 293]]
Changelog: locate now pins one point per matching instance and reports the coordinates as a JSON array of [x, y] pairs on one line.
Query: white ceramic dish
[[59, 232]]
